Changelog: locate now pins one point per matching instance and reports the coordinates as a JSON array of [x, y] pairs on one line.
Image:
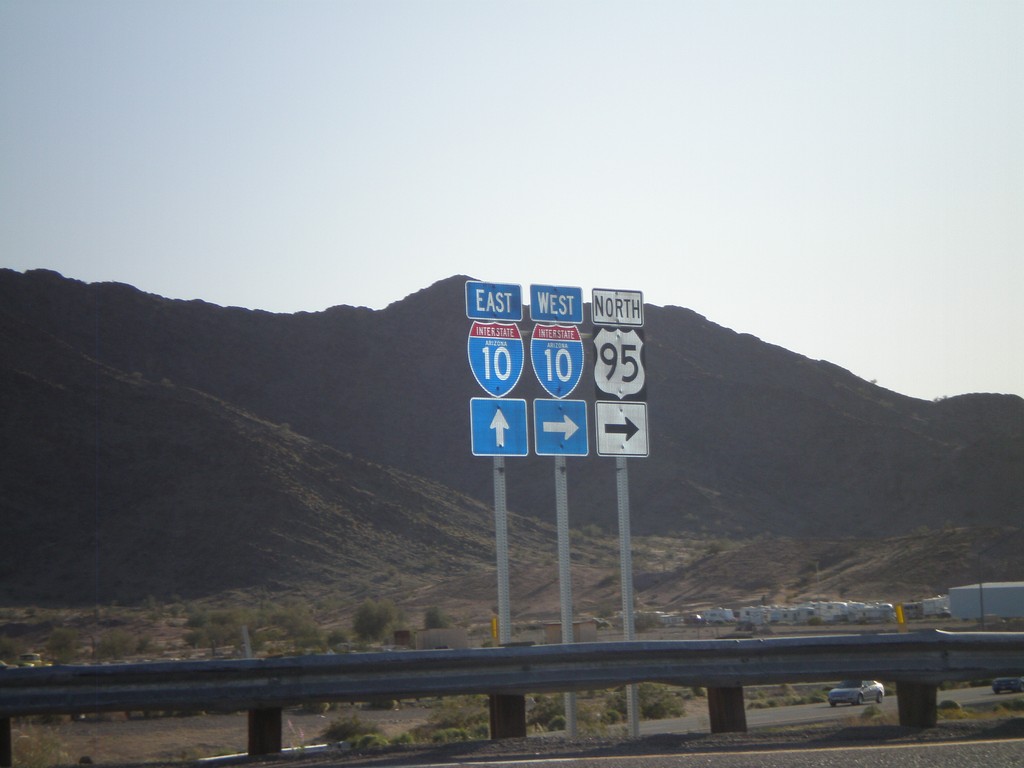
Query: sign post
[[621, 424], [498, 428], [560, 426]]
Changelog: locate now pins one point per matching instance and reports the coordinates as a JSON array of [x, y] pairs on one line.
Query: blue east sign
[[556, 304], [494, 301]]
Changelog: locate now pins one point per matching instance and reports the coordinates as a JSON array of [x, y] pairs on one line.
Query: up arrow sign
[[499, 424]]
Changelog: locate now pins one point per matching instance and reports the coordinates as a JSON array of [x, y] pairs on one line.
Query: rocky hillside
[[179, 448]]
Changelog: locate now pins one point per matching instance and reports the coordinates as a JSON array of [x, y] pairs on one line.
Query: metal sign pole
[[501, 543], [626, 566], [565, 578]]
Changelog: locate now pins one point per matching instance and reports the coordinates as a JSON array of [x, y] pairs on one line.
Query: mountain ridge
[[229, 409]]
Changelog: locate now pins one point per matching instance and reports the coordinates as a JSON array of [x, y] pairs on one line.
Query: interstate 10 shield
[[557, 355], [496, 356]]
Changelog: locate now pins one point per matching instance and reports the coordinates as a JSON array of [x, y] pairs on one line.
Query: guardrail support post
[[265, 731], [725, 707], [917, 704], [508, 716], [6, 756]]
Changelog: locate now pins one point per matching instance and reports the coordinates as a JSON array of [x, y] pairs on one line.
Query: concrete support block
[[725, 707], [6, 753], [508, 716], [917, 704], [265, 731]]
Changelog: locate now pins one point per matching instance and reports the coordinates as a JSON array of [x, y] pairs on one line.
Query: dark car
[[1001, 684]]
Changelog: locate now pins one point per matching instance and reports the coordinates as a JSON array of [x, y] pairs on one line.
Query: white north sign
[[619, 308]]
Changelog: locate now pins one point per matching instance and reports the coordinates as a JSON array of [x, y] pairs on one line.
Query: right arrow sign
[[621, 428]]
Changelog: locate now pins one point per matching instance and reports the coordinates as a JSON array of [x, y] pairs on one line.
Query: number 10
[[502, 363], [561, 366]]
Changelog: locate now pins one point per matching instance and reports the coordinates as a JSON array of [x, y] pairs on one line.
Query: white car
[[856, 692]]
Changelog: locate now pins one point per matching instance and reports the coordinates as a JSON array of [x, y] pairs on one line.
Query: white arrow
[[567, 425], [499, 425]]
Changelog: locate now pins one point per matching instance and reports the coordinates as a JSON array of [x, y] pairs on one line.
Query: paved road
[[991, 754], [801, 714]]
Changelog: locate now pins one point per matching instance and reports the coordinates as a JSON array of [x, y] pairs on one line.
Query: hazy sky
[[844, 179]]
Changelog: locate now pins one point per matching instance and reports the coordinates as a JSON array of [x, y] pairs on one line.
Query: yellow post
[[494, 627], [901, 619]]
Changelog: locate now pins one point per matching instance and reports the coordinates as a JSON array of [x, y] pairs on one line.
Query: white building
[[1004, 599]]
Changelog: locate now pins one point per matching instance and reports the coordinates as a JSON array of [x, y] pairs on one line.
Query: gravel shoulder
[[809, 737]]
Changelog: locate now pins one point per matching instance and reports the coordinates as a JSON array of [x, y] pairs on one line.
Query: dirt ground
[[112, 739]]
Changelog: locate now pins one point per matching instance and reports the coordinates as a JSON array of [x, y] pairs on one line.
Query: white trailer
[[719, 616]]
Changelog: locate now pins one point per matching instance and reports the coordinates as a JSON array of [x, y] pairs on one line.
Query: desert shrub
[[116, 644], [871, 712], [9, 648], [1014, 705], [296, 622], [336, 637], [435, 618], [216, 629], [374, 619], [545, 709], [447, 735], [35, 747], [347, 729], [370, 740], [951, 710], [657, 701], [644, 622], [62, 645], [460, 712]]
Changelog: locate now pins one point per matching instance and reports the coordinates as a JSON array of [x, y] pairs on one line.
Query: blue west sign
[[556, 304]]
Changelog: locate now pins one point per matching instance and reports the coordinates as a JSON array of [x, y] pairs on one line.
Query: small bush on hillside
[[544, 710], [1013, 705], [447, 735], [347, 729], [951, 710], [870, 712], [116, 644], [657, 701], [368, 740], [62, 646], [35, 747]]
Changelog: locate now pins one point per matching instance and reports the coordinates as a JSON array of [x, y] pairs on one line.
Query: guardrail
[[917, 662]]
